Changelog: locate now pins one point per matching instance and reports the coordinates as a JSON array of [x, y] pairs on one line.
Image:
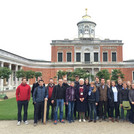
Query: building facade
[[86, 52]]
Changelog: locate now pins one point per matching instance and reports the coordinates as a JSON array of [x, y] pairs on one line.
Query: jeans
[[39, 107], [92, 109], [60, 104], [25, 105], [52, 109], [122, 114], [70, 110]]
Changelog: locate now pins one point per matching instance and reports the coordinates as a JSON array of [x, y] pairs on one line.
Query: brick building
[[86, 51]]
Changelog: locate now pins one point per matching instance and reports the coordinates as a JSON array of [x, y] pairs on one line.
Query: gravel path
[[9, 127]]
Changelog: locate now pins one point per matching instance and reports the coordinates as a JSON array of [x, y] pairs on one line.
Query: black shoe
[[90, 120]]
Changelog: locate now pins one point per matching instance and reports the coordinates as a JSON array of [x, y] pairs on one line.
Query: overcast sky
[[27, 27]]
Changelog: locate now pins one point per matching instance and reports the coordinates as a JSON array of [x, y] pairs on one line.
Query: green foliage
[[29, 74], [20, 74], [71, 75], [103, 74], [116, 73], [5, 72], [37, 74]]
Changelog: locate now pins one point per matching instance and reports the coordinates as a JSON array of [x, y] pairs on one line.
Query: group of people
[[95, 101]]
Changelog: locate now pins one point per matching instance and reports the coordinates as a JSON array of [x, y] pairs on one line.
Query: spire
[[86, 16]]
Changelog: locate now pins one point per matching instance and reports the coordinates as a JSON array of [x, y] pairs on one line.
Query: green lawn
[[8, 109]]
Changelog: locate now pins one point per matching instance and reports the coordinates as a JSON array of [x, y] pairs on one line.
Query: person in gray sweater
[[131, 99], [40, 94]]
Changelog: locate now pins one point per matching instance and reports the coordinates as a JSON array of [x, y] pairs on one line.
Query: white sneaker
[[84, 120], [79, 120], [26, 122], [18, 123]]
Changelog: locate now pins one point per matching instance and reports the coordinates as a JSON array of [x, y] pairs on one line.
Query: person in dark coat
[[97, 84], [87, 86], [131, 99], [58, 97], [76, 83], [113, 98], [70, 99], [50, 88], [81, 100], [35, 85], [123, 96], [65, 86], [93, 99], [40, 94]]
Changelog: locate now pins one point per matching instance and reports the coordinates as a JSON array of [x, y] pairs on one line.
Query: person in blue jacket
[[40, 94], [93, 99]]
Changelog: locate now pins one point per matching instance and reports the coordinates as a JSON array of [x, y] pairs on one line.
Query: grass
[[8, 110]]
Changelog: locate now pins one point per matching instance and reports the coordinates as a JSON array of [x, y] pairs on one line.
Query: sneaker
[[26, 122], [79, 120], [18, 123], [55, 122], [35, 124], [84, 120], [62, 121], [90, 120]]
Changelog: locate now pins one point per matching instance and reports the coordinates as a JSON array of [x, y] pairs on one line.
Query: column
[[1, 84], [92, 71], [16, 79], [9, 82]]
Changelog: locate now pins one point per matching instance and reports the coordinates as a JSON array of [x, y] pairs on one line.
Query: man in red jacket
[[22, 97]]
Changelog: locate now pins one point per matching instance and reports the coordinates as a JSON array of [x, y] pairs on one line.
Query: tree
[[116, 73], [29, 74], [71, 75], [103, 74], [37, 74], [20, 74], [5, 73]]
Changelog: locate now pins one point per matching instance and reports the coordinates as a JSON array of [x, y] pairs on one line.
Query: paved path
[[9, 127]]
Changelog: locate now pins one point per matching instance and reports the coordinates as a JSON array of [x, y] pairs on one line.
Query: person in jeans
[[70, 98], [65, 86], [93, 99], [113, 98], [50, 88], [131, 99], [58, 97], [40, 94], [123, 96], [81, 100], [102, 100], [22, 98]]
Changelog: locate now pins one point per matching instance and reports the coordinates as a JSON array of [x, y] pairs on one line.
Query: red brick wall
[[126, 71], [64, 49], [47, 73], [110, 49]]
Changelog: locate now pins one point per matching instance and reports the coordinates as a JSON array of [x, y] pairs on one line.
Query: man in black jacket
[[58, 96], [65, 86]]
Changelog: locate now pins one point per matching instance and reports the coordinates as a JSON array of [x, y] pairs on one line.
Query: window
[[105, 56], [87, 57], [78, 57], [113, 56], [95, 57], [59, 57], [68, 57]]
